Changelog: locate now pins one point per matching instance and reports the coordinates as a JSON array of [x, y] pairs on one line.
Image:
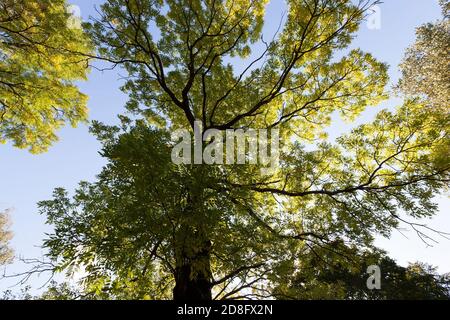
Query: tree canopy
[[328, 275], [148, 228], [425, 68], [323, 274], [6, 253], [39, 65]]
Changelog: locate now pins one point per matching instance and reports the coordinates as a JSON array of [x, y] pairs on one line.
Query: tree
[[326, 275], [427, 62], [39, 63], [54, 291], [6, 254], [149, 228]]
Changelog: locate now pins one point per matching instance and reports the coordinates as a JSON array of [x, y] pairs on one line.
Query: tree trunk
[[193, 276]]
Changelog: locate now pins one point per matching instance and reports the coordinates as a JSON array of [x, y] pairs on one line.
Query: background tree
[[6, 254], [148, 228], [54, 291], [39, 64], [327, 275], [425, 68]]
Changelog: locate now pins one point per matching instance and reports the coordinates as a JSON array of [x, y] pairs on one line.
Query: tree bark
[[193, 276]]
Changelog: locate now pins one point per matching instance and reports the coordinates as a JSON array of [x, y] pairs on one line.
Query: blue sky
[[27, 179]]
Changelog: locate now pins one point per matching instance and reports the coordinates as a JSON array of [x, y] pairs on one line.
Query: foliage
[[326, 275], [6, 254], [425, 68], [24, 294], [147, 226], [39, 62], [54, 291]]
